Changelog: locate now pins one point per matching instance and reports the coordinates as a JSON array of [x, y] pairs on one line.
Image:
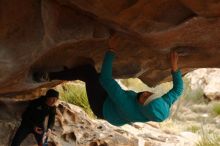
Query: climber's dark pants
[[23, 132], [87, 73]]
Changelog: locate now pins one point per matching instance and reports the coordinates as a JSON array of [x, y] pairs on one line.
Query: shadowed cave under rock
[[49, 34]]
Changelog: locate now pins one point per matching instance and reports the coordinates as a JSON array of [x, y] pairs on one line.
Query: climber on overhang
[[34, 118], [110, 102]]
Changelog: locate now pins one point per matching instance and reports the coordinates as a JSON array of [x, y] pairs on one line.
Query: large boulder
[[50, 34], [206, 81]]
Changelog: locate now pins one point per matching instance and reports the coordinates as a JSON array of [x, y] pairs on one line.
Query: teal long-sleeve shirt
[[121, 106]]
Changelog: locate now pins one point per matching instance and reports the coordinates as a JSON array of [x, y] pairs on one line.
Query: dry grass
[[209, 140], [75, 93]]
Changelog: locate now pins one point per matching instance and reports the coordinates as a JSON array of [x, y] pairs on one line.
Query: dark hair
[[52, 93], [138, 95], [51, 143]]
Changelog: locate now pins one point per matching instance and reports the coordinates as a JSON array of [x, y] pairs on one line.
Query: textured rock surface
[[208, 80], [47, 34], [73, 127]]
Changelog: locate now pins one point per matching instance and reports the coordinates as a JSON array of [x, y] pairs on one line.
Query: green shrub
[[75, 94], [216, 108], [193, 128]]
